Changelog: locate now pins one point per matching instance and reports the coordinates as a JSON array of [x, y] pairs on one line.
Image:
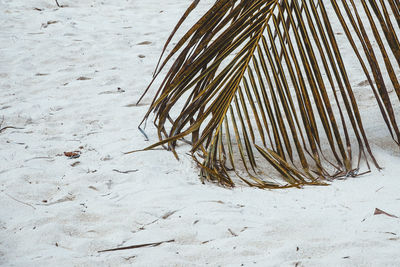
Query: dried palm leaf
[[263, 83]]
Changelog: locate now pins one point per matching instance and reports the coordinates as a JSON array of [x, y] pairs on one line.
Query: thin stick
[[138, 246], [125, 172], [9, 127], [20, 201], [58, 4]]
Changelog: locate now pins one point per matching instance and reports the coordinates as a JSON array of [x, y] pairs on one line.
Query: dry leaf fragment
[[168, 214], [381, 212], [76, 163], [218, 201], [45, 25], [72, 155], [93, 188], [82, 78], [144, 43], [363, 83]]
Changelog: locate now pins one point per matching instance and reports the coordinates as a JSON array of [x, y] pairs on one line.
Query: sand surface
[[69, 78]]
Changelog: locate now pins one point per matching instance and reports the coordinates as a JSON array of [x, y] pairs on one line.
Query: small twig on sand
[[138, 246], [232, 232], [20, 201], [37, 158], [168, 214], [125, 172], [7, 127], [58, 4]]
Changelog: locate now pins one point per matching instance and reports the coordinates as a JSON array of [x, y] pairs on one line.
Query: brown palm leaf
[[263, 83]]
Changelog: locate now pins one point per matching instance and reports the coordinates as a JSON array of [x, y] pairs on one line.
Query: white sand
[[56, 214]]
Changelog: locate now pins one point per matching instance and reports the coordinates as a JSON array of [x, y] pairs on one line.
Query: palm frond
[[264, 83]]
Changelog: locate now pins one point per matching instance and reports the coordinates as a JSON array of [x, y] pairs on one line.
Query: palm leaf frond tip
[[263, 90]]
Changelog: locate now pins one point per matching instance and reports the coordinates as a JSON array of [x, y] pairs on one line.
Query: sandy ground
[[69, 78]]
